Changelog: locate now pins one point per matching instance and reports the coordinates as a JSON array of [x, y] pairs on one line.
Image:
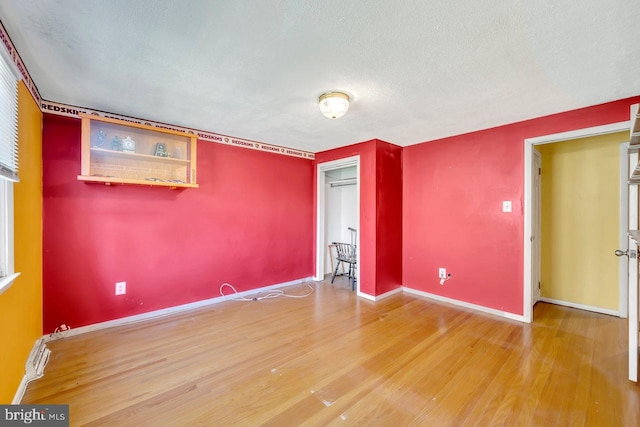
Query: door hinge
[[539, 171], [538, 285]]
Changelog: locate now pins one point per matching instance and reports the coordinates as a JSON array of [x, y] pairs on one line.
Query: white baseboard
[[582, 306], [464, 304], [22, 388], [366, 296], [166, 311], [381, 296], [34, 368]]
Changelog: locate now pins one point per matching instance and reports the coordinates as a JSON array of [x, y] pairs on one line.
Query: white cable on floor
[[270, 294]]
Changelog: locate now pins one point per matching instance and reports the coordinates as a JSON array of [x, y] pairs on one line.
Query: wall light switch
[[121, 288], [506, 206]]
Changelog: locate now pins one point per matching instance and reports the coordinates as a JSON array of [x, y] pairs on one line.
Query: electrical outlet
[[442, 273], [506, 206], [121, 288]]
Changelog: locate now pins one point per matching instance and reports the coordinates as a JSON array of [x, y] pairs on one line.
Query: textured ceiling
[[416, 70]]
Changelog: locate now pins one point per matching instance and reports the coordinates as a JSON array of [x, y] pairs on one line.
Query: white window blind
[[8, 165], [8, 122]]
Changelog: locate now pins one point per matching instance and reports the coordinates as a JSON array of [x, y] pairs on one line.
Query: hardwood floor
[[334, 359]]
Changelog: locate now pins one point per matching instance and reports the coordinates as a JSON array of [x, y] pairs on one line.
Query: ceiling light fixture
[[334, 104]]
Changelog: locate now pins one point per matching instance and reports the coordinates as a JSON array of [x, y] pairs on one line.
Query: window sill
[[6, 281]]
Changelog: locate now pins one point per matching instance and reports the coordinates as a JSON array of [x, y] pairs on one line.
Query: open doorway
[[341, 212], [338, 211], [531, 235], [582, 221]]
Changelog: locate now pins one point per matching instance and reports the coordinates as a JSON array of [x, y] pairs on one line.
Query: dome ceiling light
[[334, 104]]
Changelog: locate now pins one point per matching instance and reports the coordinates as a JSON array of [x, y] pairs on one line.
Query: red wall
[[452, 207], [380, 230], [388, 217], [249, 224]]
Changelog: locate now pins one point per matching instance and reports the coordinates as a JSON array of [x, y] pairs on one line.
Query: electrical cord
[[58, 331], [276, 293]]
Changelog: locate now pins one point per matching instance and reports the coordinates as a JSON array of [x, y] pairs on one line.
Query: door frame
[[320, 211], [529, 144], [536, 240], [623, 262]]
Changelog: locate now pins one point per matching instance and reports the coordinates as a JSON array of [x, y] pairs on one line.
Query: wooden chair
[[346, 255]]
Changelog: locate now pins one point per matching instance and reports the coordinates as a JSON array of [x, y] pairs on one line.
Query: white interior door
[[623, 245], [633, 276], [634, 238], [535, 223]]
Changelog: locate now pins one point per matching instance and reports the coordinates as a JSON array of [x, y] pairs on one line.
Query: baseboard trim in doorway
[[464, 304], [366, 296], [582, 307], [381, 296], [166, 311]]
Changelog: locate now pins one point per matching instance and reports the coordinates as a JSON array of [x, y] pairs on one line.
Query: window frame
[[7, 271], [7, 266]]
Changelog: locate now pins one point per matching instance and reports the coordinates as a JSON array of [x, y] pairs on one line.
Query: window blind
[[8, 122]]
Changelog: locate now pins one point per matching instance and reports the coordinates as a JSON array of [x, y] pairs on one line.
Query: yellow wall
[[21, 304], [580, 220]]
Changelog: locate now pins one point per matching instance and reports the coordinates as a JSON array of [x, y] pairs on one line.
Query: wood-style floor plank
[[335, 359]]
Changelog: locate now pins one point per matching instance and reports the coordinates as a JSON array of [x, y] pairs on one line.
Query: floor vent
[[37, 360]]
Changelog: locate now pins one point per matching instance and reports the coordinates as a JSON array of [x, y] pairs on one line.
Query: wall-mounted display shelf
[[635, 127], [119, 152]]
